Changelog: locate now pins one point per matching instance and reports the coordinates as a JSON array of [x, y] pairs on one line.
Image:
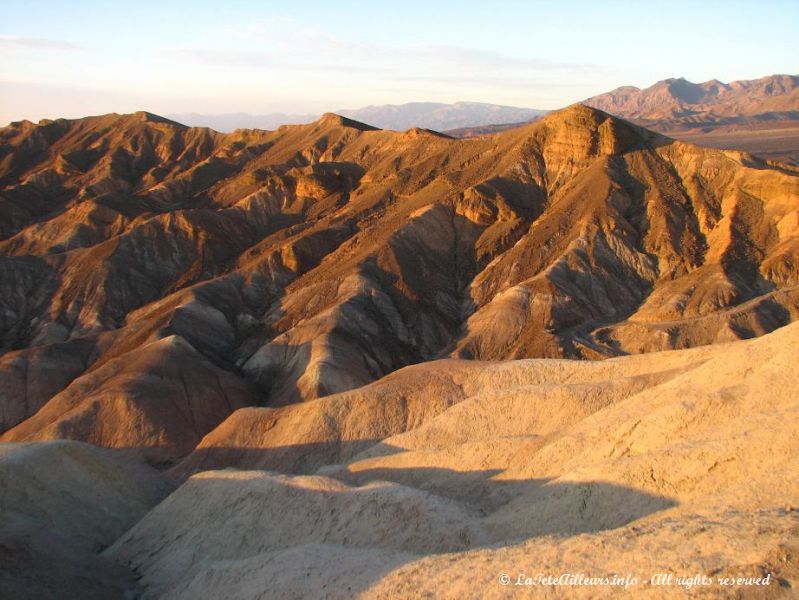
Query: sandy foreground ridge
[[527, 478]]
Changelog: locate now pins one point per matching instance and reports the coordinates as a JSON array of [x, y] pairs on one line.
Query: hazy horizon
[[247, 57]]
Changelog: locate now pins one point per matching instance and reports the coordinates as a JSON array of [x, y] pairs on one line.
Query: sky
[[77, 58]]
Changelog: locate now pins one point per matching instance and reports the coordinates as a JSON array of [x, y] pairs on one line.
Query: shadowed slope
[[63, 502]]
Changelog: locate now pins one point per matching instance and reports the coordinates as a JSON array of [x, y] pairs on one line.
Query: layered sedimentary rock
[[156, 278]]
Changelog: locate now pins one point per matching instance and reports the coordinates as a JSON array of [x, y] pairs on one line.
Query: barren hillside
[[156, 278]]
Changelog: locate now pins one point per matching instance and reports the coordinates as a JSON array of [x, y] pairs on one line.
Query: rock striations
[[156, 278]]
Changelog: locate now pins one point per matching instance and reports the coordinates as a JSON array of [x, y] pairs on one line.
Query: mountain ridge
[[676, 98], [757, 116], [141, 257]]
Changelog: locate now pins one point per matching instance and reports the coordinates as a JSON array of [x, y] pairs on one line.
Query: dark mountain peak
[[335, 120], [420, 131], [148, 117]]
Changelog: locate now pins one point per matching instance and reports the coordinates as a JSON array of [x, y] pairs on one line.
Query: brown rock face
[[157, 277]]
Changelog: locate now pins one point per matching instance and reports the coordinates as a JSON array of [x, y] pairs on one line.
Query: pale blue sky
[[75, 58]]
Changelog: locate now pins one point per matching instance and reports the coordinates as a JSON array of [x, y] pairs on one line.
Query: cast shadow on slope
[[483, 491], [396, 515], [769, 315]]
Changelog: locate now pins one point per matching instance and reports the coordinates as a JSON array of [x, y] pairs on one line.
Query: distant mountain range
[[440, 117], [228, 122], [760, 116], [688, 104], [426, 115]]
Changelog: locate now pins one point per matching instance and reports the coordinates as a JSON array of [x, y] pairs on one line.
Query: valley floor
[[780, 143]]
